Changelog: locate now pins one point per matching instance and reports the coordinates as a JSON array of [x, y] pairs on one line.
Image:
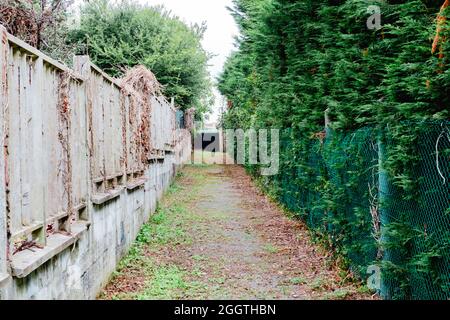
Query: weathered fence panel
[[163, 125], [75, 169], [43, 126], [132, 116], [108, 153]]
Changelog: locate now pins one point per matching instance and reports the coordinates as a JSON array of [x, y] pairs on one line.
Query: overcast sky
[[221, 28]]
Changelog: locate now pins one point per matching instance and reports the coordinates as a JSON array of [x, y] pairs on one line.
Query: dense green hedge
[[296, 59]]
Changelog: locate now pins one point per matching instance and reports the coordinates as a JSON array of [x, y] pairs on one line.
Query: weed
[[270, 248], [298, 281], [165, 282], [318, 284], [199, 258], [338, 294]]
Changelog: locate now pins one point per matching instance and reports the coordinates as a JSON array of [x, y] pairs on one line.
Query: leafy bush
[[120, 35]]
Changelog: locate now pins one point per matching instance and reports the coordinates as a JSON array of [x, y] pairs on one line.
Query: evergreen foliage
[[298, 58]]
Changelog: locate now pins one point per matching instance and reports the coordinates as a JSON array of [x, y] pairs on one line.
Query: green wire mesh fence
[[416, 220], [180, 119], [343, 186]]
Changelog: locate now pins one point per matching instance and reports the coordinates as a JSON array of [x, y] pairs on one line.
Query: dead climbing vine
[[123, 120], [133, 117], [144, 83], [64, 119]]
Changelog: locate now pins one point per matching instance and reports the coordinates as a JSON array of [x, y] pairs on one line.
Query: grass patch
[[199, 258], [318, 284], [166, 283], [298, 281], [270, 248], [166, 227], [338, 294]]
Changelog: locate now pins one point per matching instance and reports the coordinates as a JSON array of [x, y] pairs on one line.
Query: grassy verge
[[166, 228]]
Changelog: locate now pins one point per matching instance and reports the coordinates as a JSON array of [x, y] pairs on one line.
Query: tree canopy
[[297, 58], [117, 36], [41, 23]]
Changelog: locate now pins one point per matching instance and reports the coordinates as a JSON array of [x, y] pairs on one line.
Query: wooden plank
[[63, 109], [78, 144], [105, 76], [83, 66], [47, 146], [54, 181], [136, 143], [154, 126], [84, 159], [84, 151], [101, 127], [108, 132], [95, 126], [157, 117], [36, 145], [116, 130], [15, 201], [25, 262], [74, 143], [101, 198], [126, 102], [13, 41], [118, 127], [98, 126], [4, 52], [132, 116], [25, 135]]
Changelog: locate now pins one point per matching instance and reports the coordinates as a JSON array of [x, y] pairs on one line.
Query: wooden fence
[[69, 137]]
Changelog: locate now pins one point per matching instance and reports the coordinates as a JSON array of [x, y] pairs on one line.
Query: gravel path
[[223, 239]]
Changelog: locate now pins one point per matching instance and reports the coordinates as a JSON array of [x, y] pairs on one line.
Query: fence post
[[383, 187], [38, 207], [3, 132], [327, 130], [327, 122], [82, 65], [387, 282]]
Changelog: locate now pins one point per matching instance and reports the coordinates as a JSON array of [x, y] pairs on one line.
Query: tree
[[40, 23], [295, 59], [118, 36]]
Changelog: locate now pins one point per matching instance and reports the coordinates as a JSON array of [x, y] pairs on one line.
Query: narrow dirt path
[[215, 236]]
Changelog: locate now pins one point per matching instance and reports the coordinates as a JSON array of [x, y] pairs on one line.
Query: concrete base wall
[[83, 269]]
